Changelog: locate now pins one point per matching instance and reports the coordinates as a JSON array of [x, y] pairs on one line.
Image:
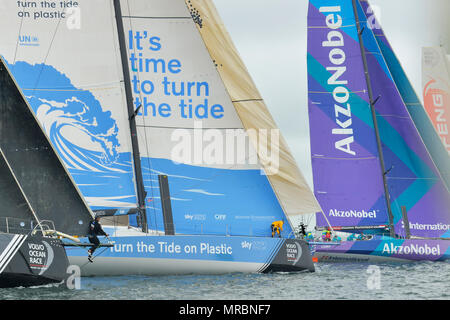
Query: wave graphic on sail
[[85, 136]]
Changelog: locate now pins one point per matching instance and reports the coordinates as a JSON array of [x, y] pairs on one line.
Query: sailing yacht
[[380, 169], [163, 131], [31, 221]]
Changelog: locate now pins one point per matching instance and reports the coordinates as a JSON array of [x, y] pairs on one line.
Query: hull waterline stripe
[[271, 256], [7, 249], [22, 240], [10, 251]]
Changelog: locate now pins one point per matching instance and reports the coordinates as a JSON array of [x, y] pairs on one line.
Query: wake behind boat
[[379, 167]]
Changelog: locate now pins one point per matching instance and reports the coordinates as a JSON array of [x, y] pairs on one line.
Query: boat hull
[[31, 261], [180, 254], [383, 249]]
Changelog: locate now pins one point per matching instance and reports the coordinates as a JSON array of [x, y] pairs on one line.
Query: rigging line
[[143, 119], [18, 36], [48, 52], [93, 257]]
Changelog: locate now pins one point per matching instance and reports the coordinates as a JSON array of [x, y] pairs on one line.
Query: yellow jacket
[[278, 224]]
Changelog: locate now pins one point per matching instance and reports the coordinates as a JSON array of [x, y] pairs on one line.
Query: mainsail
[[345, 159], [411, 178], [199, 119], [47, 191]]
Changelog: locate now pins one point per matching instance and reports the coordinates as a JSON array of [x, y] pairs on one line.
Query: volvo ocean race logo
[[293, 252], [406, 249], [341, 95], [40, 256], [353, 213]]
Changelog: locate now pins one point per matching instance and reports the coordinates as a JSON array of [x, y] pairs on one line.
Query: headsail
[[413, 179], [47, 186], [196, 102], [414, 106]]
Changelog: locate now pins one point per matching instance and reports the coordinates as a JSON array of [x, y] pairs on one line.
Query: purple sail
[[346, 166]]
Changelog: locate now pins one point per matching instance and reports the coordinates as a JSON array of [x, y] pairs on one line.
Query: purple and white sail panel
[[413, 179], [415, 108], [345, 161]]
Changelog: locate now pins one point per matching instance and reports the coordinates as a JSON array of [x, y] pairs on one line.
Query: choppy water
[[424, 280]]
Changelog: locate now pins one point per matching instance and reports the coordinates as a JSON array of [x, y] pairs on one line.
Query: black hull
[[31, 261], [13, 280], [292, 256]]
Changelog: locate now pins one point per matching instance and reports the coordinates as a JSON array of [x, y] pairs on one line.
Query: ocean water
[[348, 281]]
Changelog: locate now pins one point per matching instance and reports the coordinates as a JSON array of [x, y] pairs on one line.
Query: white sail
[[193, 38], [436, 90]]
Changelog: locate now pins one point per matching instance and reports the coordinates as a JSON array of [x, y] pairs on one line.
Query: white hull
[[105, 266], [136, 253]]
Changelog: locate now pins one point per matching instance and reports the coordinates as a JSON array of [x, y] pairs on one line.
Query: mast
[[131, 115], [375, 123]]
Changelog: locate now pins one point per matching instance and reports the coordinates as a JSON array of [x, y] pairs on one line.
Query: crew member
[[309, 237], [351, 237], [277, 226], [302, 230], [95, 229], [326, 235]]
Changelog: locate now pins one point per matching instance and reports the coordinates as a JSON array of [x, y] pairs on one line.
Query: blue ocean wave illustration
[[83, 133]]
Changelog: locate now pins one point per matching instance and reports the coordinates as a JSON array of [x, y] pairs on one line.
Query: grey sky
[[271, 39]]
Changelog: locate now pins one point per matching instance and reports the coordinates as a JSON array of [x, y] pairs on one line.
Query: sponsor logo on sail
[[353, 213], [28, 40], [195, 217], [220, 216], [337, 68], [406, 249]]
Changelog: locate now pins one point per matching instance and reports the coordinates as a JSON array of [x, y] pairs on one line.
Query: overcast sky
[[271, 39]]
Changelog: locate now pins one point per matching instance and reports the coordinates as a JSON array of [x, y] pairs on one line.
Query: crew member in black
[[302, 230], [95, 229]]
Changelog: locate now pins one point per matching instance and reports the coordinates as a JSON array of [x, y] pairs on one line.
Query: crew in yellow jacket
[[277, 226]]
